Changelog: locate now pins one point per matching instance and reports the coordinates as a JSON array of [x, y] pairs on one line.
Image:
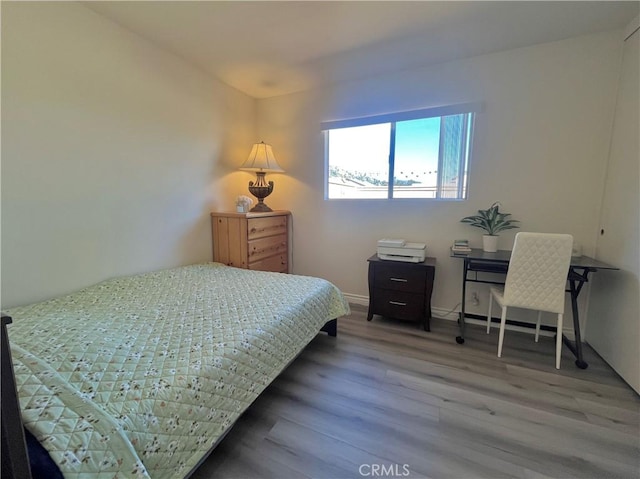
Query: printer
[[400, 250]]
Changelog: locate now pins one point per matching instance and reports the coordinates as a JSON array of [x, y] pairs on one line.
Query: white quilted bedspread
[[139, 376]]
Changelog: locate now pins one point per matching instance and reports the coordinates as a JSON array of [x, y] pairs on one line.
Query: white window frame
[[439, 111]]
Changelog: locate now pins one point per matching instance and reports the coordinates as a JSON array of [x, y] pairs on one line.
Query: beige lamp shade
[[261, 159]]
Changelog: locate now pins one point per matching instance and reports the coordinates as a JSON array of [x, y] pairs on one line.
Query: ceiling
[[269, 48]]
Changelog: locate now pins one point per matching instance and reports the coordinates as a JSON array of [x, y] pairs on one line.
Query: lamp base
[[260, 189], [260, 208]]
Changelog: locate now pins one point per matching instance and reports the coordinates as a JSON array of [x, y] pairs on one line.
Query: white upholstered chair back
[[538, 270]]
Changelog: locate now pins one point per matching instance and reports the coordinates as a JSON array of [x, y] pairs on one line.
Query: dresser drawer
[[399, 304], [262, 248], [278, 263], [400, 278], [268, 226]]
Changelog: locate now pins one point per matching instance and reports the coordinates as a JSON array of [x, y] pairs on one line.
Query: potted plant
[[492, 221]]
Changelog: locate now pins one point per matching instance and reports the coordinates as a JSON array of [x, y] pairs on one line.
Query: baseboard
[[452, 315], [356, 299]]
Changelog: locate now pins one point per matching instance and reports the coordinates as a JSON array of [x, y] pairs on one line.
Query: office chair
[[536, 279]]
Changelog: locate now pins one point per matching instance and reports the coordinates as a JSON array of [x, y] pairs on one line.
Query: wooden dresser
[[401, 290], [258, 241]]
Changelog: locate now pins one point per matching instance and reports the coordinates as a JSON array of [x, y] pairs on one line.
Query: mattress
[[139, 376]]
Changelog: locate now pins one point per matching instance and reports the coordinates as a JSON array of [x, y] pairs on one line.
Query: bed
[[142, 376]]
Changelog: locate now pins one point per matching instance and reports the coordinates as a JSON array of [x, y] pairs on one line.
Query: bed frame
[[331, 327], [15, 461]]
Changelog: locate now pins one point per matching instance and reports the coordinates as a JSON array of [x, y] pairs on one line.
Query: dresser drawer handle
[[399, 280], [397, 303]]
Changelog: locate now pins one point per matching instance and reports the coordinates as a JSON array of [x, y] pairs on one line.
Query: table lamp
[[261, 160]]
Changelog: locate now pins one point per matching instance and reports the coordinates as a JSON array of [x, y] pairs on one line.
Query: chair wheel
[[459, 340]]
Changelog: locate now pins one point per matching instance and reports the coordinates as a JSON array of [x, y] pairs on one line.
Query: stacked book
[[461, 246]]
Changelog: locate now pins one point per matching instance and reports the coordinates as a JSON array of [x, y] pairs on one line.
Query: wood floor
[[386, 399]]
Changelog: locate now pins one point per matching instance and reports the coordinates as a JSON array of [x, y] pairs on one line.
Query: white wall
[[540, 149], [614, 310], [113, 152]]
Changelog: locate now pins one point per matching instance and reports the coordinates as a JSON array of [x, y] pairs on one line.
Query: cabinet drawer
[[399, 304], [269, 226], [400, 278], [262, 248], [278, 263]]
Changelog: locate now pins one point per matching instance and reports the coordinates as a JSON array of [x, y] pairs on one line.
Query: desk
[[478, 261]]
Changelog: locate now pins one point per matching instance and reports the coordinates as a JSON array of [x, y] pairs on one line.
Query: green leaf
[[491, 220]]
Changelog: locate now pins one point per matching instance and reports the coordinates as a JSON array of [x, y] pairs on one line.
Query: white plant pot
[[489, 243]]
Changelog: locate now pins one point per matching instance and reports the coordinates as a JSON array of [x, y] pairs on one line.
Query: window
[[415, 154]]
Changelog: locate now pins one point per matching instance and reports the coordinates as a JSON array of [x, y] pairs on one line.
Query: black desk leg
[[460, 339], [576, 348]]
